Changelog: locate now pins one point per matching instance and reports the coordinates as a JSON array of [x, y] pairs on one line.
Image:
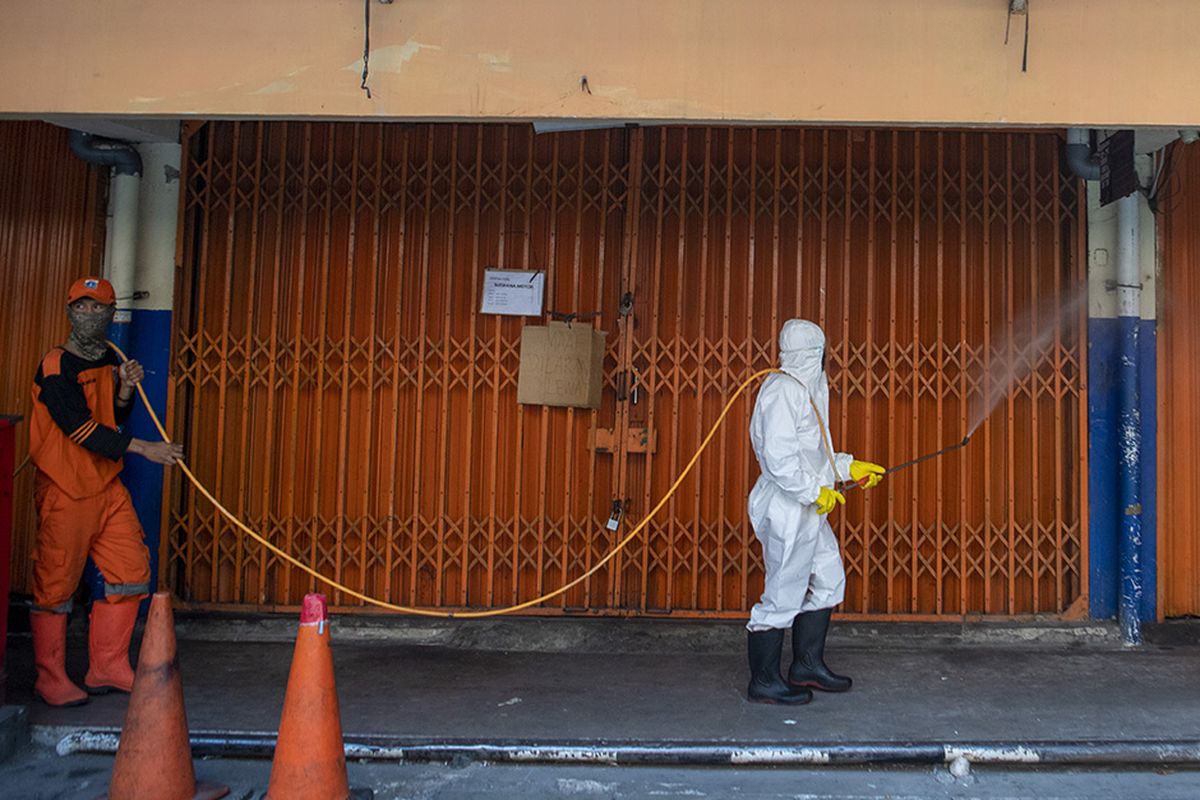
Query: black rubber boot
[[808, 654], [766, 684]]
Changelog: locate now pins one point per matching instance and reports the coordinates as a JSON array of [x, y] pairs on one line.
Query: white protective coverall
[[803, 566]]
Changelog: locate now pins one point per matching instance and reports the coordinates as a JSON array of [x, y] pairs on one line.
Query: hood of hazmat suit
[[789, 431]]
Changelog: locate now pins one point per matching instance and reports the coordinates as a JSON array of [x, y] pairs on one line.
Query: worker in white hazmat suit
[[789, 431]]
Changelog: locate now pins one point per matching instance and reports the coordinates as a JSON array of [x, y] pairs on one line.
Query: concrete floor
[[639, 682]]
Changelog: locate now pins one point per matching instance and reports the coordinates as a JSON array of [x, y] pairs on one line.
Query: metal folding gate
[[51, 232], [1179, 403], [338, 387]]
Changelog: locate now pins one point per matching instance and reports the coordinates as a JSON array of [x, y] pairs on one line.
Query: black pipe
[[222, 744], [122, 157]]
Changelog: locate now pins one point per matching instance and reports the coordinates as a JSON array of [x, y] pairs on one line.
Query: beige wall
[[1094, 62]]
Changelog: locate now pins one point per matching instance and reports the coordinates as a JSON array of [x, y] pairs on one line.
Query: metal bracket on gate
[[637, 440]]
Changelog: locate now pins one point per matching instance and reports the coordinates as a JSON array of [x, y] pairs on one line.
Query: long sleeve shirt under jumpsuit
[[83, 508]]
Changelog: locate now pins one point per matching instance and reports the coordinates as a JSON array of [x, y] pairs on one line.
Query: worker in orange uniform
[[80, 395]]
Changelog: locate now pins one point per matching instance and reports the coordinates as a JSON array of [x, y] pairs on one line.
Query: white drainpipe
[[120, 257]]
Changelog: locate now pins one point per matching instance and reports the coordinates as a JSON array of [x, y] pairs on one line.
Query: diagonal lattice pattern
[[335, 383]]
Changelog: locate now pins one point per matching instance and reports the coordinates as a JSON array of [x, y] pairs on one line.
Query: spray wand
[[845, 485]]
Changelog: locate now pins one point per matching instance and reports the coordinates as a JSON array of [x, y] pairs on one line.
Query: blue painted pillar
[[142, 328], [1129, 440], [120, 257], [1122, 416], [150, 323]]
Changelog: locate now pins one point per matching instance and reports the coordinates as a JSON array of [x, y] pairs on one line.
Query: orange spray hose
[[425, 612]]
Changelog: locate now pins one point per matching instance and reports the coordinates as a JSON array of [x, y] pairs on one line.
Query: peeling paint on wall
[[276, 87], [393, 57], [497, 62]]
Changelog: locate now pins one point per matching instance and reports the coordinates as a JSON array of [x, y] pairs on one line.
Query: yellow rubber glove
[[865, 469], [829, 499]]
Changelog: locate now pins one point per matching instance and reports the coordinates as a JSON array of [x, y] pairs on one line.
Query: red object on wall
[[7, 450]]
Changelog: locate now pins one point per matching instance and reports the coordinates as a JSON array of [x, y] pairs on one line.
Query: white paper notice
[[513, 292]]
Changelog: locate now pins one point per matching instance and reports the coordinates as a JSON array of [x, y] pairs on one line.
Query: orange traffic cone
[[310, 758], [154, 758]]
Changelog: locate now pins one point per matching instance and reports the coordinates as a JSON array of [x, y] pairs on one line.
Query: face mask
[[89, 330]]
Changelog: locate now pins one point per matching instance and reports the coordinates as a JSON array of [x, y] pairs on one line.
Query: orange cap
[[98, 289]]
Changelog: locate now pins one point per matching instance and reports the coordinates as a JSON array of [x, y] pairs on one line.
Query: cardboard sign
[[561, 365]]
